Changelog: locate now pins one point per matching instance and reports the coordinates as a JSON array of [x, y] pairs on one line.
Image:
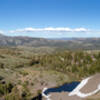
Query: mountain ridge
[[68, 43]]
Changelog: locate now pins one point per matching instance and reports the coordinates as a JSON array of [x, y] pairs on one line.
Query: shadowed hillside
[[71, 44]]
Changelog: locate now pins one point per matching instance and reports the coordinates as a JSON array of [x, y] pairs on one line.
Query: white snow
[[46, 96], [77, 92]]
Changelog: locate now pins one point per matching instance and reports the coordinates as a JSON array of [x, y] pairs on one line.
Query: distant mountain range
[[68, 43], [61, 38]]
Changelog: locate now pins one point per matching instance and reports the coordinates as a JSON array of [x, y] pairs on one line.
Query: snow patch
[[77, 92], [44, 95]]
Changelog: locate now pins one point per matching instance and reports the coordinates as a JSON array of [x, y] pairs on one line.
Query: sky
[[50, 18]]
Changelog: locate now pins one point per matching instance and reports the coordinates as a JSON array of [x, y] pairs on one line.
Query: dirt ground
[[89, 87]]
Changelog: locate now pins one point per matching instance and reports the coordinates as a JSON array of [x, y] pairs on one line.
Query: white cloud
[[1, 32], [81, 30], [50, 29]]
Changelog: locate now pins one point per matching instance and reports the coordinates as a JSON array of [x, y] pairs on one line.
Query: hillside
[[71, 43], [24, 73]]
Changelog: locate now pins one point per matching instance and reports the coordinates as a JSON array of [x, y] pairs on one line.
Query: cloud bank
[[1, 32], [53, 32], [49, 29]]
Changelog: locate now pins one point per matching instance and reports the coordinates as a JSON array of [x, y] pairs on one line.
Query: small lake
[[68, 87]]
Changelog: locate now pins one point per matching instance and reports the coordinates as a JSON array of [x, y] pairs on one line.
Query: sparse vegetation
[[24, 73]]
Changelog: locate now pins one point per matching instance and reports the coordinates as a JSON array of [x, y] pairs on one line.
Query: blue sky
[[50, 18]]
